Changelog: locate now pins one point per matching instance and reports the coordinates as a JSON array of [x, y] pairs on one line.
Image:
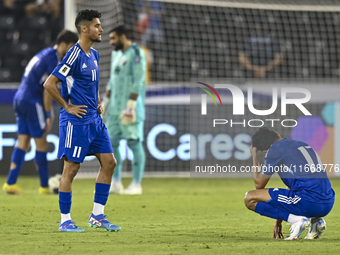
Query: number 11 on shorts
[[76, 152]]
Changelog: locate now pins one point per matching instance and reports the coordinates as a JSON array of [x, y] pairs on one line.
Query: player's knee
[[71, 171], [111, 164], [24, 143], [114, 163], [24, 146], [248, 200], [41, 144]]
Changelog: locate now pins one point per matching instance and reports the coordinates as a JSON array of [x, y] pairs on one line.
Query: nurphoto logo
[[238, 104]]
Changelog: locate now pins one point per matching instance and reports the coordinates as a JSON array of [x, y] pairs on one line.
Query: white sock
[[98, 209], [65, 217], [292, 218]]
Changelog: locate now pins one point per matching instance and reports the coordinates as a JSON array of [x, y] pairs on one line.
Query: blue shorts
[[289, 201], [78, 141], [30, 118]]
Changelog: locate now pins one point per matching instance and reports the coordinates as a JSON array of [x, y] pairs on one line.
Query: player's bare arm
[[275, 62], [260, 179], [51, 86], [100, 108], [277, 232], [245, 61], [49, 112], [259, 71]]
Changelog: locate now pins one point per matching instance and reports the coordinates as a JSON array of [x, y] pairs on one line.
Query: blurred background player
[[51, 9], [309, 195], [82, 131], [125, 104], [33, 109], [150, 21], [261, 52], [47, 7]]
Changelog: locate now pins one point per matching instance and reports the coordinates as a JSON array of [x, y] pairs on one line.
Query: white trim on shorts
[[41, 115], [288, 200], [68, 140]]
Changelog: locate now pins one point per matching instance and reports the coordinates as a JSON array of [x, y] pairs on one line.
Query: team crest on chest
[[95, 62]]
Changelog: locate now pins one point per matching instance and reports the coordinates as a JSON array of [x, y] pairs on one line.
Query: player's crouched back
[[309, 196]]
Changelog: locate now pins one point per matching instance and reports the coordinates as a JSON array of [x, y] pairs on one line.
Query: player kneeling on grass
[[309, 195]]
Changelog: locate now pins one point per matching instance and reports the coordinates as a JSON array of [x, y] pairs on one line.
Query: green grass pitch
[[173, 216]]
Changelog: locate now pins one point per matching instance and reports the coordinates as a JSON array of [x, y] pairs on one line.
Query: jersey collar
[[83, 50], [130, 47]]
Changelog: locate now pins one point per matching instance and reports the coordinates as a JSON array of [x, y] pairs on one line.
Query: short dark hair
[[86, 15], [67, 37], [122, 30], [264, 138]]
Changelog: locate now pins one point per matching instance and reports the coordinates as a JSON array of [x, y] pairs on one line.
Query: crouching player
[[309, 196]]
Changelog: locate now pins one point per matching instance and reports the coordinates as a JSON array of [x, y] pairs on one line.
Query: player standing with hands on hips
[[82, 131], [125, 105], [34, 113]]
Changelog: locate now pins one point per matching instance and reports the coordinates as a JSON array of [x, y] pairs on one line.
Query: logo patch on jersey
[[117, 70], [137, 59], [95, 62], [64, 70], [276, 189], [84, 65]]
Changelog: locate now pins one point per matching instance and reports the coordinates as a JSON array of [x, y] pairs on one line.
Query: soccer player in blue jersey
[[309, 195], [125, 104], [82, 131], [33, 109]]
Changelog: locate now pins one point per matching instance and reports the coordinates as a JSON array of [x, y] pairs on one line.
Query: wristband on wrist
[[48, 114]]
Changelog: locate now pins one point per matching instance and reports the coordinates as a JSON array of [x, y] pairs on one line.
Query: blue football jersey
[[300, 168], [37, 70], [79, 74]]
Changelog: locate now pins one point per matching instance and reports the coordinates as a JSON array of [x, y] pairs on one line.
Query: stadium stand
[[308, 40], [22, 36]]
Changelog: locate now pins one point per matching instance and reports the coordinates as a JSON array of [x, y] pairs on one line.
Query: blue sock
[[270, 211], [41, 161], [65, 201], [101, 193], [18, 157]]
